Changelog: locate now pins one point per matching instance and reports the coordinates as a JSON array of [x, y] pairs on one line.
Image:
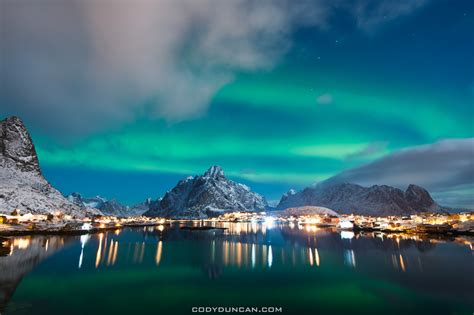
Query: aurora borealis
[[277, 105]]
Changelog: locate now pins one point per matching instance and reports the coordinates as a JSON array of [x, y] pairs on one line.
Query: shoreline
[[72, 232], [96, 230]]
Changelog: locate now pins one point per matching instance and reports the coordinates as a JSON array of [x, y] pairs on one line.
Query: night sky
[[123, 99]]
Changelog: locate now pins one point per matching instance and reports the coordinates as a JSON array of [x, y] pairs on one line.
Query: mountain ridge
[[22, 185], [207, 195], [348, 198], [109, 207]]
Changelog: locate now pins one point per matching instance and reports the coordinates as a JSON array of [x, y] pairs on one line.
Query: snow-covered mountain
[[352, 198], [208, 195], [22, 185], [109, 207]]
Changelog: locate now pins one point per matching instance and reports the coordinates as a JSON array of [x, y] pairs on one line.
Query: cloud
[[75, 67], [92, 63], [445, 168], [324, 99], [372, 13]]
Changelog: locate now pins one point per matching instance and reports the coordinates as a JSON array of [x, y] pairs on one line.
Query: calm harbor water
[[302, 269]]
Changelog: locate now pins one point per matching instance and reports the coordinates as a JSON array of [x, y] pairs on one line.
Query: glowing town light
[[21, 243], [114, 255], [313, 221], [269, 222], [270, 256], [99, 251], [347, 235], [349, 258], [86, 226], [84, 239], [316, 256], [253, 256], [345, 225], [402, 263], [111, 250], [159, 250]]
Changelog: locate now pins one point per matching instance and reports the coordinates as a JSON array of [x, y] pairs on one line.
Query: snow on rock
[[352, 198], [109, 207], [308, 210], [206, 196], [214, 172], [21, 184], [16, 148], [289, 193]]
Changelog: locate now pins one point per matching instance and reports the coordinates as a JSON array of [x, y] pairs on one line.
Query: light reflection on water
[[248, 245], [266, 247]]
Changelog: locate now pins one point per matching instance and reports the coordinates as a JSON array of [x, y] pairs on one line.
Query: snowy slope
[[21, 184], [109, 207], [306, 210], [207, 195], [352, 198]]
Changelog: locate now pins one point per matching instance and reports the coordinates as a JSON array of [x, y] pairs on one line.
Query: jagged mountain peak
[[108, 206], [412, 188], [419, 197], [353, 198], [22, 187], [214, 172], [16, 147], [207, 195]]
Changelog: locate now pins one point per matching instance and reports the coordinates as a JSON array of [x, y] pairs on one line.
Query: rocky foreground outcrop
[[205, 196]]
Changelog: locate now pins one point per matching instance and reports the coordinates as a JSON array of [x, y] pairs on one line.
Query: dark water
[[166, 270]]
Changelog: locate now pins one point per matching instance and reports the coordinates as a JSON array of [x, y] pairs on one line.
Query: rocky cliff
[[352, 198], [208, 195], [21, 184]]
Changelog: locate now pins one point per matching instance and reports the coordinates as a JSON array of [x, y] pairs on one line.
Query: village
[[436, 223], [18, 223], [59, 223]]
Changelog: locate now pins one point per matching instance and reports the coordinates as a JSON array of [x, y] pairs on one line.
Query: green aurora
[[338, 98]]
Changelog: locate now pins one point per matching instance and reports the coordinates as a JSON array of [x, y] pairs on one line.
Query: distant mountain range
[[109, 207], [23, 187], [346, 198], [205, 196]]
